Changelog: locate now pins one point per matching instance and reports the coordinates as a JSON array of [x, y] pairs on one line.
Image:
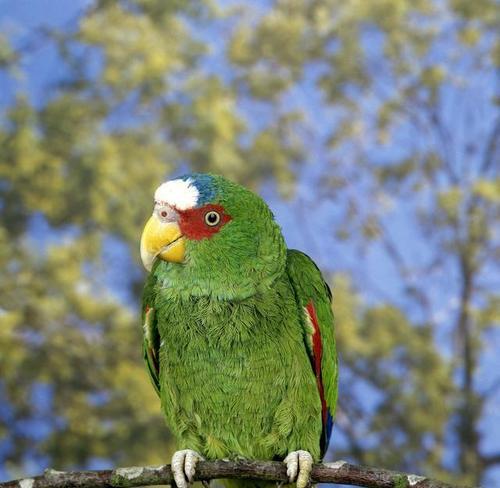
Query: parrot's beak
[[163, 240]]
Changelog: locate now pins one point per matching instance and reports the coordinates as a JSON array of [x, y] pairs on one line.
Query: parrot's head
[[210, 236]]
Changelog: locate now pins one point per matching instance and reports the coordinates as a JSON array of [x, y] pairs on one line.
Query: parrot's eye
[[165, 214], [212, 218]]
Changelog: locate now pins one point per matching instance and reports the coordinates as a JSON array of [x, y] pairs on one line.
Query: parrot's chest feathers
[[219, 329], [229, 368]]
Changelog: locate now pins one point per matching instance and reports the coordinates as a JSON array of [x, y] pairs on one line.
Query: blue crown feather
[[205, 185]]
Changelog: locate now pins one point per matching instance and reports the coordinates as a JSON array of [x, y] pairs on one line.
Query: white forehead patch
[[181, 194]]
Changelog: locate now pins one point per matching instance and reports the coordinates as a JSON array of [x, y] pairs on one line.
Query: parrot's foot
[[299, 466], [184, 467]]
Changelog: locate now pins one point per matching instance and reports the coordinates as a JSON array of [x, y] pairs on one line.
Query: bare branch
[[273, 471], [491, 459], [492, 146]]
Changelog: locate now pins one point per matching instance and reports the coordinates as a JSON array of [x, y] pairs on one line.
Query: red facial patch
[[193, 223]]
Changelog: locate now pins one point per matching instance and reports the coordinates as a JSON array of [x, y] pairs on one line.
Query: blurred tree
[[152, 86]]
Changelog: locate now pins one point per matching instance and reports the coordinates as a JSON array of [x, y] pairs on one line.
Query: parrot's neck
[[228, 278], [226, 290]]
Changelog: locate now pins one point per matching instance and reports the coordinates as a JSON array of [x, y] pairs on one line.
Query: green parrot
[[238, 331]]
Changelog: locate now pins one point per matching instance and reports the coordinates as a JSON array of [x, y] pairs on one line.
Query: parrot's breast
[[235, 376]]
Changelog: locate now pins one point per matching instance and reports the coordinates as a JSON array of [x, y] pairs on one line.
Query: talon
[[184, 467], [292, 464], [299, 466]]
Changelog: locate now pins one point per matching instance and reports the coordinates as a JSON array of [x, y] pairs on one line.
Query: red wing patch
[[317, 346]]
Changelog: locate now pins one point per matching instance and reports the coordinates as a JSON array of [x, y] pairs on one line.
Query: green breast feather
[[230, 370]]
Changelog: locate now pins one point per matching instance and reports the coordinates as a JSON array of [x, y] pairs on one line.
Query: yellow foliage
[[449, 202], [470, 36], [136, 49], [488, 189]]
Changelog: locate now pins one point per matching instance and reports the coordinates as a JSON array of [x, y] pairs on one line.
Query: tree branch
[[491, 459], [338, 472]]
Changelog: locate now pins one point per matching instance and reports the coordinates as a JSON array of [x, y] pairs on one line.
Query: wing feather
[[314, 298], [151, 336]]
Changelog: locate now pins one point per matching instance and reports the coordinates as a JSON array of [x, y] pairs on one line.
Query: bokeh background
[[371, 128]]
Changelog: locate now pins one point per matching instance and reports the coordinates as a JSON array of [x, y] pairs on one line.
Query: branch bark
[[339, 472]]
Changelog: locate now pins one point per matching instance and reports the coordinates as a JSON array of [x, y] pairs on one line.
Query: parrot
[[238, 333]]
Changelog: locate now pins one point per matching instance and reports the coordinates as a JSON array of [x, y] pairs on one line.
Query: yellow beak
[[163, 240]]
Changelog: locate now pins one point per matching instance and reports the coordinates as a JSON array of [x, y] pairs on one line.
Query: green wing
[[151, 336], [314, 299]]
